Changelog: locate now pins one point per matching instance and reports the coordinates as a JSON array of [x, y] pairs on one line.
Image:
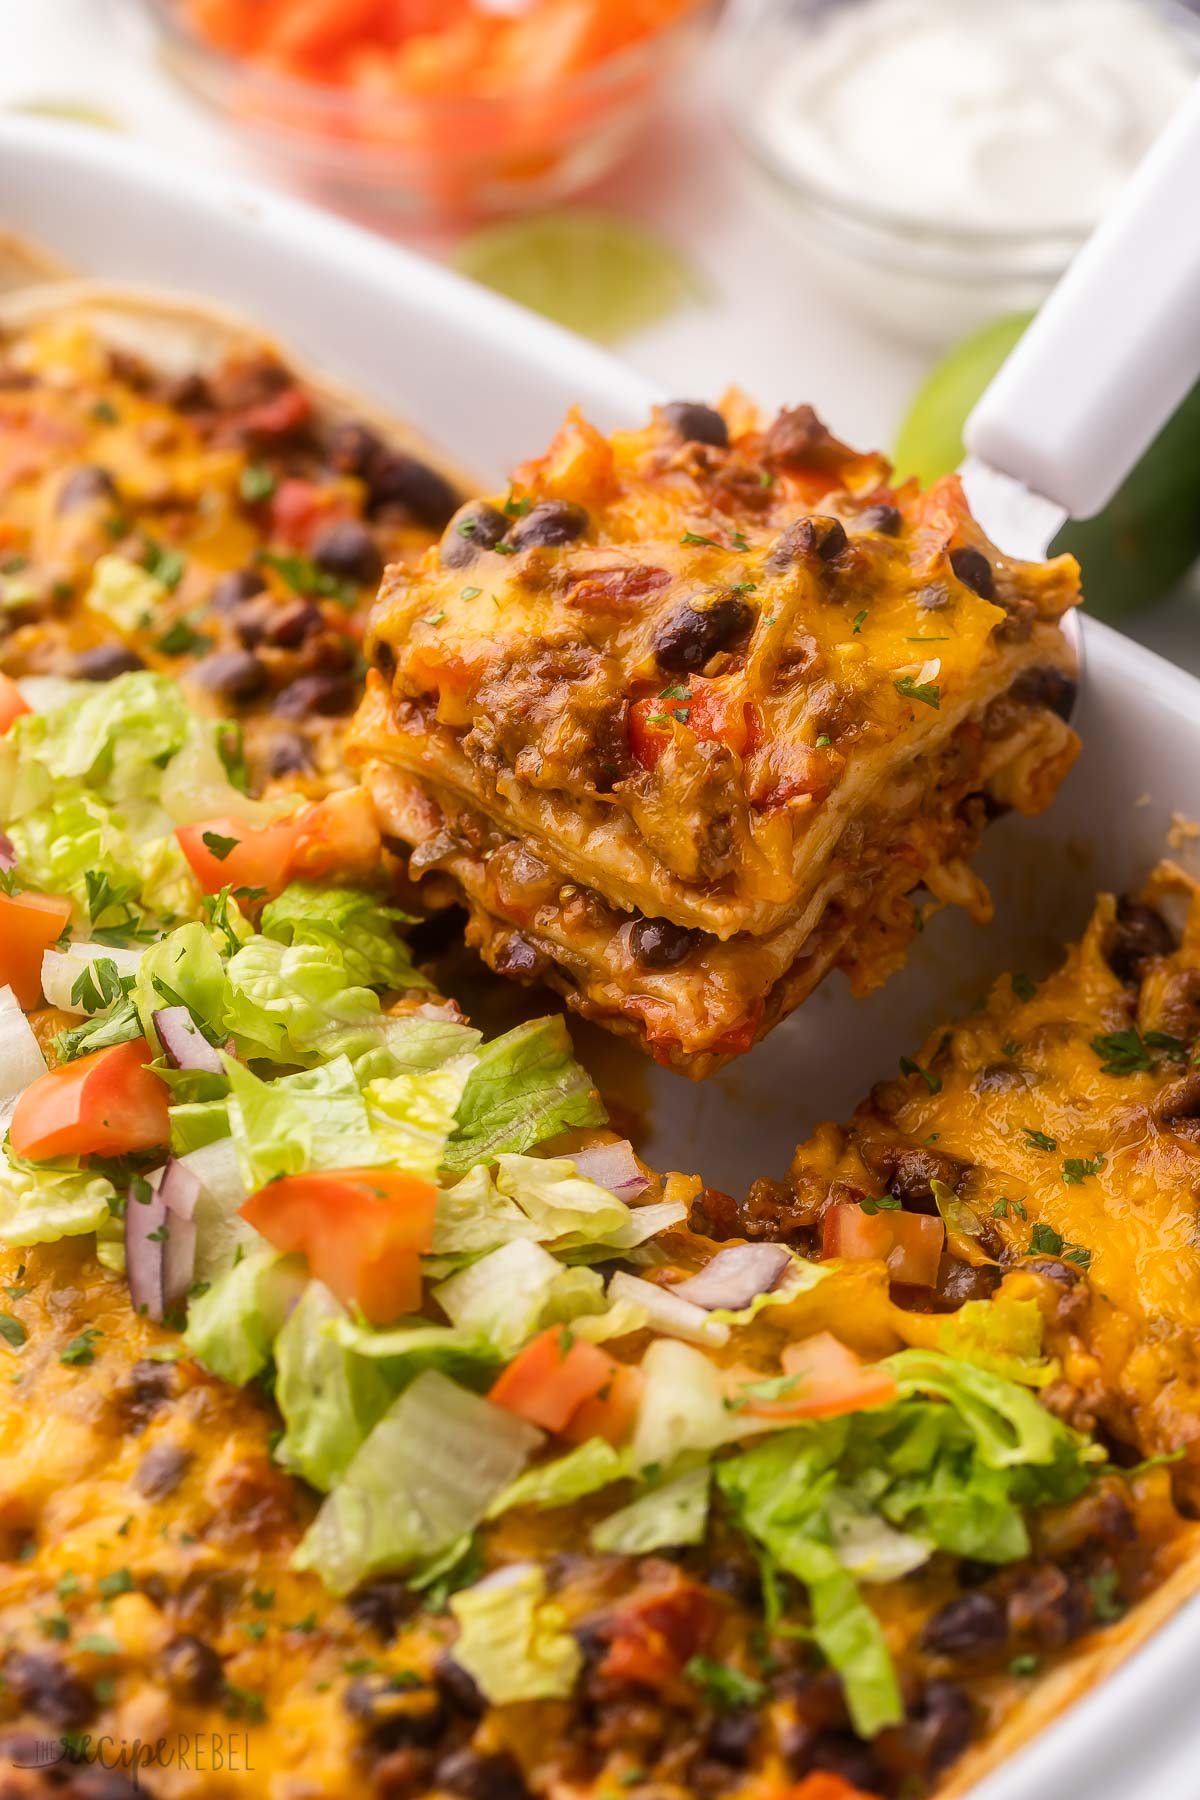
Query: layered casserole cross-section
[[698, 712]]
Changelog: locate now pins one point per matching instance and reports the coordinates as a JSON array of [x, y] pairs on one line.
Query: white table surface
[[765, 324]]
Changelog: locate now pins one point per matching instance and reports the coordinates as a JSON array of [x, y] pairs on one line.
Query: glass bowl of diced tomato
[[433, 108]]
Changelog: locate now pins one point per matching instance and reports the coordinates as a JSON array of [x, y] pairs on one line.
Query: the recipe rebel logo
[[206, 1752]]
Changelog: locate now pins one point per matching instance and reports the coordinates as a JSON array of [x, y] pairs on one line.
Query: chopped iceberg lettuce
[[351, 923], [526, 1087], [423, 1479], [589, 1467], [513, 1642], [330, 1399], [231, 1329], [40, 1205], [674, 1511], [315, 1119]]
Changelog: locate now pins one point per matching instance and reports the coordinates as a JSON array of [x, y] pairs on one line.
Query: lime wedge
[[929, 443], [596, 273], [81, 111]]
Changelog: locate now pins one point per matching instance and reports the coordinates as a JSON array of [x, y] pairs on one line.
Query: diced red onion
[[160, 1239], [612, 1166], [736, 1276], [8, 855], [179, 1188], [184, 1044], [669, 1315], [145, 1223]]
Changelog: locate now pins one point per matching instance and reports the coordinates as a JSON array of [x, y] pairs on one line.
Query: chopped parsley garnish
[[858, 621], [693, 537], [874, 1203], [470, 593], [257, 483], [723, 1686], [1009, 1048], [676, 693], [220, 846], [67, 1584], [55, 1625], [1039, 1140], [94, 1644], [164, 564], [82, 1349], [824, 741], [303, 577], [909, 1067], [433, 618], [658, 718], [99, 985], [1044, 1241], [181, 639], [1023, 986], [105, 413], [1107, 1603], [1076, 1169], [1079, 1254], [1001, 1208], [119, 1581], [12, 1330], [1128, 1052], [1027, 1664], [927, 692], [120, 1026]]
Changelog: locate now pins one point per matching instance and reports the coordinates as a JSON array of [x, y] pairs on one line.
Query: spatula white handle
[[1115, 348]]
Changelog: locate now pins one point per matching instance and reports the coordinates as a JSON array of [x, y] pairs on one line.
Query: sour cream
[[986, 114]]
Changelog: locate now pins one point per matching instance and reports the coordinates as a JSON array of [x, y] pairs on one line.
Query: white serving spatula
[[1110, 356]]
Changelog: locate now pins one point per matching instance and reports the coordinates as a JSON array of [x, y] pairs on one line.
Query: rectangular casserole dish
[[489, 383]]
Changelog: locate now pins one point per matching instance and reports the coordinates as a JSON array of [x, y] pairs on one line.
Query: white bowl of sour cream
[[944, 159]]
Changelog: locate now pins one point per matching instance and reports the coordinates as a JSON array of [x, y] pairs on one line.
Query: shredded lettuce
[[329, 1398], [43, 1204], [412, 1115], [674, 1511], [125, 594], [422, 1480], [512, 1641], [353, 925], [517, 1290], [314, 1119], [526, 1087], [1003, 1335], [590, 1466], [541, 1198], [182, 969], [231, 1329]]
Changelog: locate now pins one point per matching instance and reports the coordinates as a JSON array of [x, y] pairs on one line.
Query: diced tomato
[[279, 417], [657, 1631], [909, 1243], [612, 1412], [822, 1785], [361, 1230], [339, 835], [12, 703], [106, 1104], [229, 853], [297, 507], [714, 712], [29, 924], [552, 1377], [827, 1378]]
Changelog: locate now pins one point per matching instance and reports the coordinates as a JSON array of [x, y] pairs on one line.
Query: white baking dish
[[489, 383]]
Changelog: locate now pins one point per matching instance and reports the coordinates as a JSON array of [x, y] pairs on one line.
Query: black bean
[[911, 1172], [83, 485], [382, 1606], [945, 1724], [149, 1387], [474, 528], [352, 446], [998, 1078], [1138, 934], [739, 1580], [839, 1753], [974, 570], [104, 662], [348, 551], [232, 589], [885, 519], [289, 755], [475, 1776], [1051, 688], [698, 423], [161, 1470], [192, 1669], [234, 675], [291, 624], [730, 1737], [384, 658], [1179, 1104], [395, 1714], [959, 1282], [328, 695], [548, 523], [966, 1626], [824, 538], [46, 1687], [457, 1688], [660, 943], [186, 393], [1050, 1606], [684, 642], [517, 957], [396, 479]]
